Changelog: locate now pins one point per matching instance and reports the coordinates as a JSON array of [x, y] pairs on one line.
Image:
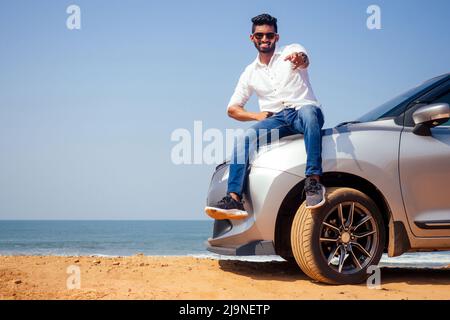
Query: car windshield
[[394, 106]]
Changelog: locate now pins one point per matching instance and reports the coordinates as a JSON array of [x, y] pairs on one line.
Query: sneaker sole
[[321, 202], [222, 214]]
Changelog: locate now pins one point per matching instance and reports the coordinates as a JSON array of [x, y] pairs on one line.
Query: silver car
[[388, 179]]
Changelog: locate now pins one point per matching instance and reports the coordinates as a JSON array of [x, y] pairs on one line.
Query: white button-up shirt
[[276, 84]]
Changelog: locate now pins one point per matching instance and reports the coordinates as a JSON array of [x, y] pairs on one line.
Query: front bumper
[[254, 235], [260, 247]]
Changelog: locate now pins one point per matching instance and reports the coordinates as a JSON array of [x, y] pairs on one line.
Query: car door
[[424, 165]]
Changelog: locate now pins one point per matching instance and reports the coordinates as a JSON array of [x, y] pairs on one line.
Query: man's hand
[[239, 113], [263, 115], [298, 60]]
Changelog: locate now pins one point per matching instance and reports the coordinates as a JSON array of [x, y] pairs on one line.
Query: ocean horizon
[[103, 237], [113, 238]]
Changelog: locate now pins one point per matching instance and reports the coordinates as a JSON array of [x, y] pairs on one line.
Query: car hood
[[349, 143]]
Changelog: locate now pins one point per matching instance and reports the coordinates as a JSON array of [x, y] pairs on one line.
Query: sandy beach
[[144, 277]]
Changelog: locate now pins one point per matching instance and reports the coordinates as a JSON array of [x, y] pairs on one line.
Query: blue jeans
[[308, 120]]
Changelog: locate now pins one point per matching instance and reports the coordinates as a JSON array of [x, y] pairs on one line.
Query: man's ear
[[252, 38], [277, 37]]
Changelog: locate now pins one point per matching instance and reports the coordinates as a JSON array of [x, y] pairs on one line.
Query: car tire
[[335, 245]]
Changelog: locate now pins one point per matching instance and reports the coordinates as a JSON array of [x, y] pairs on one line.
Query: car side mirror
[[429, 116]]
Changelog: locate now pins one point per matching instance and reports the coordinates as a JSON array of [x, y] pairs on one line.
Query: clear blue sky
[[86, 115]]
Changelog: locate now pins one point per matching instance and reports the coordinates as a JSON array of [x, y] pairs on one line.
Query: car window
[[396, 106], [437, 94]]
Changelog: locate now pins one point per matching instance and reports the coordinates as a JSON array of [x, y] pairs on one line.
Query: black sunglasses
[[260, 35]]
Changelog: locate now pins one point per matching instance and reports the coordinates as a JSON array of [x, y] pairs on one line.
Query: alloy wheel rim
[[348, 237]]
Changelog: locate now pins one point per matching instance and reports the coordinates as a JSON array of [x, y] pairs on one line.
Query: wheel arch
[[296, 196]]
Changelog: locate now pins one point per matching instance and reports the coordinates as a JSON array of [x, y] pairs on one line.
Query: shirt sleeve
[[295, 47], [242, 92]]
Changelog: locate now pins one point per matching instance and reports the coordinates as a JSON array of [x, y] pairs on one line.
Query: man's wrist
[[255, 116]]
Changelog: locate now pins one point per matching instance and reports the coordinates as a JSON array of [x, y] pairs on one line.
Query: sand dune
[[141, 277]]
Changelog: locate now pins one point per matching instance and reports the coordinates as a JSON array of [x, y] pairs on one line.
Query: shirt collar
[[259, 64]]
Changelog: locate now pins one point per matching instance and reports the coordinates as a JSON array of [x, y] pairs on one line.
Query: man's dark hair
[[264, 19]]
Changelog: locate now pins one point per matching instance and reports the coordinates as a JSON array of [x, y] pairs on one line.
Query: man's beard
[[269, 49]]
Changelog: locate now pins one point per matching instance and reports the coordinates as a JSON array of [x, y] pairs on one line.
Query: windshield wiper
[[347, 122]]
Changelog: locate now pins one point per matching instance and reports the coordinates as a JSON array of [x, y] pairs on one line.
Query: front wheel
[[337, 242]]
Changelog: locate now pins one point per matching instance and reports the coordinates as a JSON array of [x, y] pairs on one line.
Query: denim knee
[[311, 114]]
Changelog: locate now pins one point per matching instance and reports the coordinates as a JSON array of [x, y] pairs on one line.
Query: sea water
[[150, 237]]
